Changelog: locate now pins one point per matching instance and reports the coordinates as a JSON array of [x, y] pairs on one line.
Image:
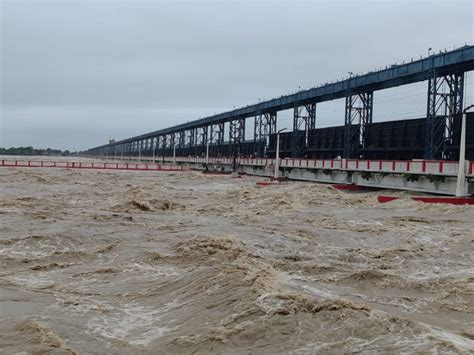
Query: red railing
[[89, 165], [436, 167]]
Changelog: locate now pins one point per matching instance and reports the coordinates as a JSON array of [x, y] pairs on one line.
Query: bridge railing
[[88, 165], [425, 167]]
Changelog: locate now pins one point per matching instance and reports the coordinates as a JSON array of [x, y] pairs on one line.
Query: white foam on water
[[23, 253], [269, 303], [460, 342], [39, 280], [318, 292], [135, 324]]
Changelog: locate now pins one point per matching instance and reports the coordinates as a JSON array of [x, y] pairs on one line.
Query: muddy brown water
[[144, 262]]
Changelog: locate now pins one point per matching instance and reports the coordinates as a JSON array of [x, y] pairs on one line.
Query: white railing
[[17, 163], [425, 167]]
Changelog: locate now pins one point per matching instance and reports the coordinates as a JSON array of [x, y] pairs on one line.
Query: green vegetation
[[435, 178], [33, 151], [366, 175], [411, 177]]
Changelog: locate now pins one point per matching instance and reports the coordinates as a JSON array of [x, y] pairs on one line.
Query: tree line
[[33, 151]]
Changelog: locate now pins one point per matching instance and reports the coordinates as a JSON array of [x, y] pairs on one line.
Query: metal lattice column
[[182, 139], [149, 146], [154, 145], [201, 133], [236, 134], [216, 136], [237, 131], [445, 100], [265, 125], [163, 144], [217, 133], [303, 117], [359, 108], [192, 137], [140, 147]]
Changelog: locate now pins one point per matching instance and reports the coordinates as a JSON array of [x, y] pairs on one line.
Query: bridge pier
[[303, 117], [192, 138], [181, 141], [202, 135], [148, 146], [216, 136], [358, 115], [217, 133], [265, 125], [236, 134], [445, 100]]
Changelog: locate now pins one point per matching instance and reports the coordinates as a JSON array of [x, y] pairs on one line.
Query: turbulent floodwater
[[143, 262]]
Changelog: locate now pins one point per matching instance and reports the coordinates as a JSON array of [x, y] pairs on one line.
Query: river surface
[[125, 262]]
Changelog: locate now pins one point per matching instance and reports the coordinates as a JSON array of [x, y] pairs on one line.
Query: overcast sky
[[76, 73]]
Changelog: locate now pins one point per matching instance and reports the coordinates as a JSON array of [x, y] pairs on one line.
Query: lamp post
[[461, 186], [174, 154], [207, 153], [277, 155]]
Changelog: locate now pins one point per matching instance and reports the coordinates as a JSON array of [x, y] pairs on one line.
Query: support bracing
[[304, 119], [192, 137], [154, 145], [237, 131], [358, 115], [445, 100], [164, 143], [216, 137], [217, 133], [265, 125], [149, 146], [201, 135], [236, 134], [182, 139]]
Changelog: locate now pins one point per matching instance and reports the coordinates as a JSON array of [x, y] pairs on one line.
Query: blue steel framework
[[444, 71]]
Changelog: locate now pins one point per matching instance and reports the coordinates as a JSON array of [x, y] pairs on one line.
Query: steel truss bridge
[[444, 72]]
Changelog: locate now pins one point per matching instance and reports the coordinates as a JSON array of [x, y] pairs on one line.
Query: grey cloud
[[88, 70]]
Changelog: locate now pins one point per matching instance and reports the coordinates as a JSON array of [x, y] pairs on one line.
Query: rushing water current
[[148, 262]]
